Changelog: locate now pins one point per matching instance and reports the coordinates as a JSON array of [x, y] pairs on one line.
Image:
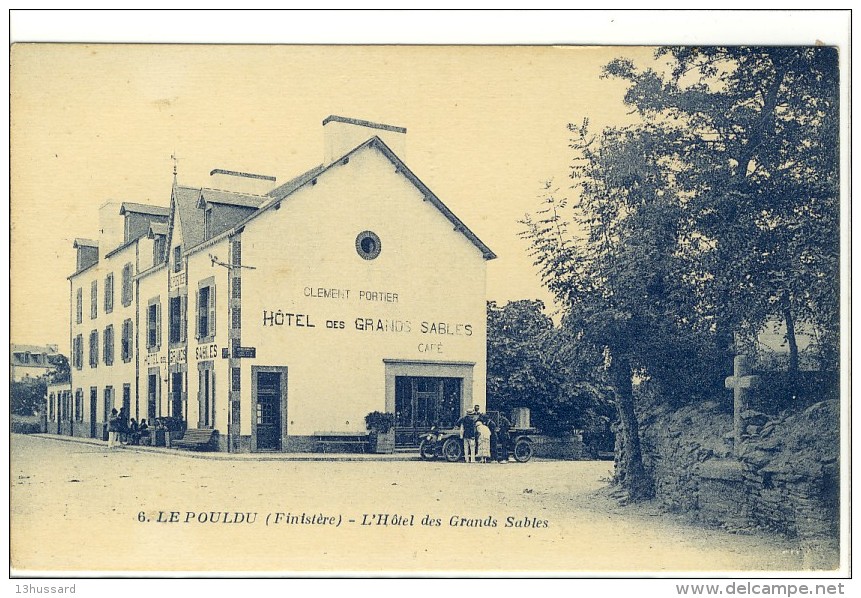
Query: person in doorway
[[113, 429], [467, 433], [482, 433]]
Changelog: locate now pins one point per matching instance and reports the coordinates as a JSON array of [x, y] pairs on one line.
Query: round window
[[368, 245]]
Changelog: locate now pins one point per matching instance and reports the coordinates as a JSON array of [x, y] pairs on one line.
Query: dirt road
[[79, 507]]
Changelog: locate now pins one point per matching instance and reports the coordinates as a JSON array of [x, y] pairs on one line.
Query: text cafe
[[294, 311]]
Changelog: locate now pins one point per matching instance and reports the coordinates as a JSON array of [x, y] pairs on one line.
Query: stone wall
[[570, 448], [785, 478]]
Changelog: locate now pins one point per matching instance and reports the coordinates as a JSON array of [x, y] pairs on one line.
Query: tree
[[26, 396], [715, 212], [531, 364], [609, 258], [62, 371], [756, 147]]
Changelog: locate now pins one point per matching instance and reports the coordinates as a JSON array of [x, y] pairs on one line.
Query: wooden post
[[740, 382]]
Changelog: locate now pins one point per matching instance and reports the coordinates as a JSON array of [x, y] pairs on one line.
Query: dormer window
[[177, 258], [158, 250]]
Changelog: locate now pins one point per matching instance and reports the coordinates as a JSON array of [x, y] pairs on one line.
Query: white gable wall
[[431, 274]]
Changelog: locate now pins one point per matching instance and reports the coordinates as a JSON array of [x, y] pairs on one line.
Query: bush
[[380, 422]]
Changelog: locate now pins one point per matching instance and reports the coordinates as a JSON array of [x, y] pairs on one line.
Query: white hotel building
[[277, 314]]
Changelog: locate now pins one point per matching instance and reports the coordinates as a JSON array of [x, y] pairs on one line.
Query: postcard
[[428, 310]]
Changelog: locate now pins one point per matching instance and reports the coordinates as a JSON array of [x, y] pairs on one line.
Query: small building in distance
[[28, 362]]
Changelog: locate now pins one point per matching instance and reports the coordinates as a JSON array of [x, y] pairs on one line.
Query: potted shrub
[[381, 428]]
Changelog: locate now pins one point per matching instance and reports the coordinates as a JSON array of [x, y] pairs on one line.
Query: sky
[[486, 125]]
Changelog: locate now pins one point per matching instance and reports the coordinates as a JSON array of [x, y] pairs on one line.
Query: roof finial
[[175, 160]]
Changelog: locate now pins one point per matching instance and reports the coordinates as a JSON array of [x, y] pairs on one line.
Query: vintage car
[[447, 443]]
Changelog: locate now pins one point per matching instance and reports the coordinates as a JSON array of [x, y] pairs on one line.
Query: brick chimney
[[341, 134]]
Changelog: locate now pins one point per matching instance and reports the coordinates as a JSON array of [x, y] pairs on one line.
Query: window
[[94, 348], [178, 309], [51, 407], [79, 306], [108, 349], [207, 223], [153, 325], [78, 352], [158, 250], [177, 258], [206, 310], [109, 293], [368, 245], [127, 341], [127, 285], [94, 300]]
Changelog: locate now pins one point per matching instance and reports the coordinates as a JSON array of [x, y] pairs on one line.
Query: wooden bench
[[196, 439], [326, 441]]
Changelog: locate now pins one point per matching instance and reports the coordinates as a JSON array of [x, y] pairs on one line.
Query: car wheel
[[452, 450], [523, 451], [426, 449]]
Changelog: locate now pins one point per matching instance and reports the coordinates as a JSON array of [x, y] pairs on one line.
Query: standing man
[[467, 432], [113, 429]]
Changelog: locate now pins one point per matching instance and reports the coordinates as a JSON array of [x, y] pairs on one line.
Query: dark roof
[[142, 208], [82, 270], [34, 349], [85, 243], [374, 142], [157, 228], [120, 247], [247, 175], [231, 198], [290, 186], [190, 217], [362, 123]]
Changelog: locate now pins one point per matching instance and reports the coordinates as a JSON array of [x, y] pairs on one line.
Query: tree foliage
[[756, 168], [62, 371], [715, 213], [531, 363], [27, 396]]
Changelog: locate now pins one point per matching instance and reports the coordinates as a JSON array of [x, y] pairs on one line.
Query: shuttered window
[[127, 335], [109, 293], [108, 349], [78, 352], [205, 310], [153, 324], [127, 285], [94, 348], [94, 299]]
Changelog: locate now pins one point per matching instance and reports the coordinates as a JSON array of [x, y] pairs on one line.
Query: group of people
[[122, 430], [484, 438]]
